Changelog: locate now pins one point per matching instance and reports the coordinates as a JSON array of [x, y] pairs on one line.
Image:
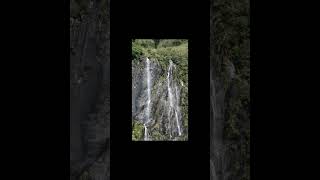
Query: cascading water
[[148, 101], [145, 132], [156, 102], [172, 99], [177, 109]]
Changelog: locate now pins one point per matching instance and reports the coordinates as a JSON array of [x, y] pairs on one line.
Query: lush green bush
[[137, 51], [137, 131], [177, 54]]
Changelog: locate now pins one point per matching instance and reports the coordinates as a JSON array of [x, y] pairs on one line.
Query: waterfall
[[148, 101], [172, 99], [145, 132], [177, 109], [148, 90], [159, 101]]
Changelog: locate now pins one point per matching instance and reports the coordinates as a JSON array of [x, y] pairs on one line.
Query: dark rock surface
[[89, 94], [229, 90]]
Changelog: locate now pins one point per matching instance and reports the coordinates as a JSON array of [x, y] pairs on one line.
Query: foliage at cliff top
[[163, 51]]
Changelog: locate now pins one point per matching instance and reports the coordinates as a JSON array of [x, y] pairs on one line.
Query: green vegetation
[[137, 131], [174, 50], [137, 51]]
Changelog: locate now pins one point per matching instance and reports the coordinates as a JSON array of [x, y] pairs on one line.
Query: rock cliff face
[[156, 98], [89, 92], [160, 89]]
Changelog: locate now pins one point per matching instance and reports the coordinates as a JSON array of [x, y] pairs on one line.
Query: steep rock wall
[[89, 92], [166, 120]]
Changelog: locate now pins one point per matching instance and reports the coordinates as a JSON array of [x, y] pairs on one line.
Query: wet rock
[[165, 121]]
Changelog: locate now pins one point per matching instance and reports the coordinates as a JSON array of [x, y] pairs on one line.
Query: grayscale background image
[[89, 90]]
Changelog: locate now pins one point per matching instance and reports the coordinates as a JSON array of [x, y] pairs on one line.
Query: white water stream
[[148, 101]]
